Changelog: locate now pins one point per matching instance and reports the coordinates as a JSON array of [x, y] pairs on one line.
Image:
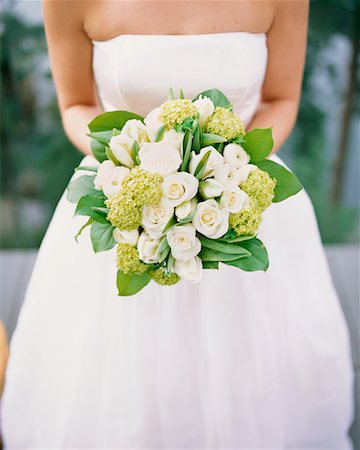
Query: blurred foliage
[[37, 158], [321, 171]]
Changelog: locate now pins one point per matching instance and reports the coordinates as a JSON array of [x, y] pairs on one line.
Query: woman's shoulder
[[145, 17], [290, 7], [64, 11]]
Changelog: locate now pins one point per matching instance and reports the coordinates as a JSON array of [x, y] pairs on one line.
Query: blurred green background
[[37, 159]]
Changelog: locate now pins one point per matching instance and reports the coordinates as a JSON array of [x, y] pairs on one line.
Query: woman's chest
[[175, 17]]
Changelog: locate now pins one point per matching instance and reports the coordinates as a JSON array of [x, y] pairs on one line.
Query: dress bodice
[[134, 72]]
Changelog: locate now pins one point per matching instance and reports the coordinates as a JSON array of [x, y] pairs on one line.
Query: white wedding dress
[[240, 360]]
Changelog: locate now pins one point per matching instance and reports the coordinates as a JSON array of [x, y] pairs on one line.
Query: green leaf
[[130, 284], [104, 211], [164, 249], [110, 155], [210, 264], [195, 125], [210, 139], [163, 245], [112, 119], [89, 222], [229, 234], [207, 254], [160, 133], [223, 247], [187, 124], [171, 95], [81, 186], [181, 93], [258, 143], [86, 168], [220, 147], [196, 131], [257, 261], [98, 150], [102, 136], [102, 236], [233, 240], [183, 145], [216, 96], [187, 142], [190, 217], [169, 225], [135, 151], [196, 144], [164, 255], [187, 219], [202, 165], [287, 184], [169, 263], [85, 208], [232, 237], [238, 140]]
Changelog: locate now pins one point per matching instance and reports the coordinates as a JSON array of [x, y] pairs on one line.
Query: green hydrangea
[[174, 112], [225, 123], [124, 212], [260, 188], [128, 261], [139, 188], [247, 221], [161, 277], [144, 187]]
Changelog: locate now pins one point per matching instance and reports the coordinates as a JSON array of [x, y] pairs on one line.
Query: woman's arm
[[282, 85], [70, 52]]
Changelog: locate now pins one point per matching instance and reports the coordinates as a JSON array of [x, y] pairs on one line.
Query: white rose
[[135, 129], [153, 124], [126, 237], [215, 159], [210, 188], [179, 188], [103, 171], [148, 248], [234, 199], [174, 138], [227, 175], [190, 270], [235, 155], [186, 210], [183, 242], [210, 220], [110, 178], [121, 146], [159, 157], [205, 109], [244, 172], [154, 218]]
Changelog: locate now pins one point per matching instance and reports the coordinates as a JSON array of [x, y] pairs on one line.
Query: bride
[[240, 360]]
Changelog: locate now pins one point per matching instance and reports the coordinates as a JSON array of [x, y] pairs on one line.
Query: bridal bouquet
[[181, 190]]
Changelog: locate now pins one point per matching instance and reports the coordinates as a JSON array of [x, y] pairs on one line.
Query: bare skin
[[72, 25]]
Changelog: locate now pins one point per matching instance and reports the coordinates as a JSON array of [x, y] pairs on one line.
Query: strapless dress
[[240, 360]]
